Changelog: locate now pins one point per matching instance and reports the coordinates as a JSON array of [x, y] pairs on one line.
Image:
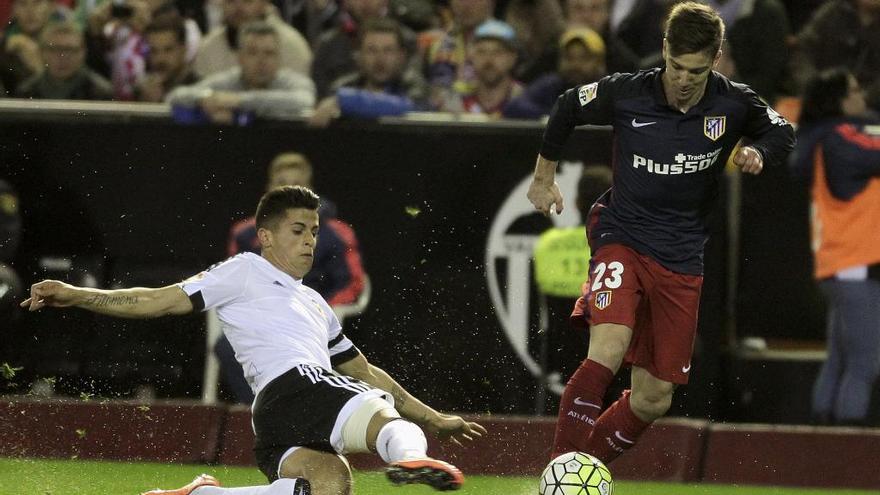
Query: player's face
[[685, 76], [290, 245]]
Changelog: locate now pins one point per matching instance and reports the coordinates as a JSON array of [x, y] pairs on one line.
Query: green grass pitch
[[78, 477]]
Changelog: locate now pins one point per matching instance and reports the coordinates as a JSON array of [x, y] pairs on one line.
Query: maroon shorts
[[659, 305]]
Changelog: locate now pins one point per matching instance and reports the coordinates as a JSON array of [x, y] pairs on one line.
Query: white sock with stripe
[[399, 440], [283, 486]]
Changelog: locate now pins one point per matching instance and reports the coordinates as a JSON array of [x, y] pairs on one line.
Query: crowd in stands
[[235, 60]]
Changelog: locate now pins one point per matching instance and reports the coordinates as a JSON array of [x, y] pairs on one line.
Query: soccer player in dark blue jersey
[[674, 129]]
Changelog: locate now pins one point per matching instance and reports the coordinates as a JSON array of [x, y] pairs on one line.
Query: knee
[[335, 481], [651, 404], [328, 474]]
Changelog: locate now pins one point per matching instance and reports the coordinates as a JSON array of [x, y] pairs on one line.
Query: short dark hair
[[383, 25], [692, 27], [275, 203], [171, 23], [823, 95]]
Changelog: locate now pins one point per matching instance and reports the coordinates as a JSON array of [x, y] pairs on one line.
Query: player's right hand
[[50, 293], [544, 195]]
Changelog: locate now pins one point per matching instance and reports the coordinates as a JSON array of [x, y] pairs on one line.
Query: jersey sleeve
[[771, 134], [218, 285], [587, 104], [341, 348]]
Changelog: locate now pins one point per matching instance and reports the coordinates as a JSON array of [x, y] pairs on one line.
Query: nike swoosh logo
[[621, 438], [685, 369], [579, 402], [641, 124]]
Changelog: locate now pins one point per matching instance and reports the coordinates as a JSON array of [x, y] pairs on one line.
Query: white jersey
[[272, 320]]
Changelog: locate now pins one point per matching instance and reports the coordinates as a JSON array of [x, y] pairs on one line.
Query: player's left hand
[[749, 160], [455, 428]]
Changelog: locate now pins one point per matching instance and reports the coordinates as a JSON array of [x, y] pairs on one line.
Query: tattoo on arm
[[102, 301], [400, 396]]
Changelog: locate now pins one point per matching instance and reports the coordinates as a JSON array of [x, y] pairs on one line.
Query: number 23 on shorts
[[614, 271]]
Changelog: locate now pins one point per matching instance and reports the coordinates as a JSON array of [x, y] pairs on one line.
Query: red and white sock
[[580, 406], [616, 430]]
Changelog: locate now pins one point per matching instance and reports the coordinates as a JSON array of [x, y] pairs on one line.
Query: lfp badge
[[714, 127]]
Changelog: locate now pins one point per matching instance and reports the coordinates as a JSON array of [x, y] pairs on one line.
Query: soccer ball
[[576, 473]]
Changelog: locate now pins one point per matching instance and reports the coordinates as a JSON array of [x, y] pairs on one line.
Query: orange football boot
[[437, 474]]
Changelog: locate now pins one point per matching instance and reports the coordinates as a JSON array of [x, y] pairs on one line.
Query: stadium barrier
[[676, 450]]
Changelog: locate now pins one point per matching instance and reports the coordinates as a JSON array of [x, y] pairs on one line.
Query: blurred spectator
[[838, 150], [334, 51], [383, 85], [756, 32], [493, 55], [10, 235], [843, 32], [641, 30], [594, 14], [449, 71], [20, 48], [258, 87], [66, 77], [337, 273], [309, 17], [562, 256], [417, 15], [538, 24], [218, 49], [581, 61], [10, 222], [116, 41], [167, 66], [726, 66]]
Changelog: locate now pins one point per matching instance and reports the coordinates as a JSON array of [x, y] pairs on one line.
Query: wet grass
[[79, 477]]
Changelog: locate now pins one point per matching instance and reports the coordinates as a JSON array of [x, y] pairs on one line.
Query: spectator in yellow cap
[[581, 61]]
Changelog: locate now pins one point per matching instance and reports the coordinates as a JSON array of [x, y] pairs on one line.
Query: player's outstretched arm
[[544, 192], [445, 426], [126, 303]]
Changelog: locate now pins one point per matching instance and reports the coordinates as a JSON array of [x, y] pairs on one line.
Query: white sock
[[399, 440], [284, 486]]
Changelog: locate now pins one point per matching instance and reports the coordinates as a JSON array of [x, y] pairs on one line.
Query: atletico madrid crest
[[714, 127], [603, 299]]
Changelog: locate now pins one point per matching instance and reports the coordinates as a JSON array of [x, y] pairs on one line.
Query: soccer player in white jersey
[[317, 397]]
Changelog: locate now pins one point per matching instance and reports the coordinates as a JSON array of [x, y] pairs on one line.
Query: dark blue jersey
[[666, 163]]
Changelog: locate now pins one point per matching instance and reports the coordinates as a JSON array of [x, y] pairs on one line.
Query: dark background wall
[[147, 202]]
